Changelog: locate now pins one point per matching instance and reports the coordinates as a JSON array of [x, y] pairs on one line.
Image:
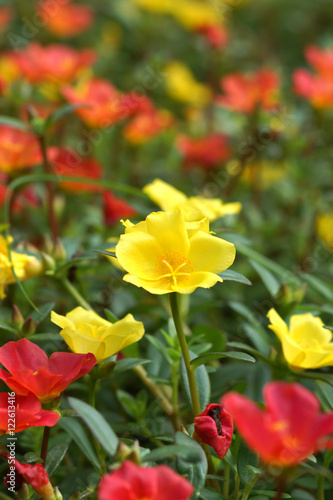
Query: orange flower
[[105, 104], [65, 20], [217, 36], [18, 149], [55, 63], [243, 93], [317, 88], [147, 125], [65, 162], [207, 152]]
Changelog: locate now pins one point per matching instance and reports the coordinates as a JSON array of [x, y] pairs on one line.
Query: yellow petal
[[168, 228], [210, 254], [81, 344], [278, 326], [198, 279], [164, 195]]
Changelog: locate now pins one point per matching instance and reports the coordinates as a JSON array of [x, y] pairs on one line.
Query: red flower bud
[[214, 427]]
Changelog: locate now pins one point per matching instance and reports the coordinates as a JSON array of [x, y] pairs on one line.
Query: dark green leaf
[[196, 472], [203, 383], [245, 457], [129, 363], [14, 123], [73, 427], [110, 316], [97, 425], [62, 112], [210, 356], [269, 280], [44, 311], [55, 456], [6, 327], [233, 276], [188, 453], [106, 252]]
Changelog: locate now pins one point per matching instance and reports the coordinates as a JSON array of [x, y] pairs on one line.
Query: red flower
[[116, 209], [31, 370], [243, 93], [6, 15], [207, 152], [317, 88], [66, 162], [55, 63], [147, 125], [132, 482], [37, 477], [214, 427], [216, 35], [18, 149], [288, 430], [65, 20], [28, 413], [105, 104]]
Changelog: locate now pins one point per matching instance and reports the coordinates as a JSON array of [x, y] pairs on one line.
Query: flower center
[[173, 269]]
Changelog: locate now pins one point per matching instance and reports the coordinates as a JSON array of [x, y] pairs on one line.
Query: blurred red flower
[[18, 149], [54, 63], [207, 152], [65, 162], [132, 482], [6, 15], [288, 430], [116, 209], [65, 20], [144, 126], [216, 35], [29, 369], [317, 88], [245, 92], [214, 427], [28, 413], [105, 104]]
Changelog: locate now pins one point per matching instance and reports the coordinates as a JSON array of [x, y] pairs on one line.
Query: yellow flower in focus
[[306, 343], [325, 228], [163, 254], [25, 266], [182, 86], [194, 208], [84, 331]]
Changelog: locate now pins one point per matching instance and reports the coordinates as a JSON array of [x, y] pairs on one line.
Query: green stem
[[236, 488], [45, 443], [74, 293], [50, 190], [226, 482], [249, 487], [186, 354]]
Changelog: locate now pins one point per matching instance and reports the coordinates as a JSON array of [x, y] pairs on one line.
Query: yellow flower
[[25, 266], [194, 208], [84, 331], [194, 14], [182, 86], [163, 254], [306, 344], [264, 174], [325, 228]]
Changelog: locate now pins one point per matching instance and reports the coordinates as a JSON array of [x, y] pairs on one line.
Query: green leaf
[[208, 494], [327, 391], [106, 252], [233, 276], [14, 123], [210, 356], [251, 350], [269, 280], [45, 337], [97, 425], [110, 316], [8, 328], [55, 456], [188, 453], [196, 472], [43, 312], [158, 344], [127, 364], [203, 383], [62, 112], [320, 286], [73, 427], [245, 457]]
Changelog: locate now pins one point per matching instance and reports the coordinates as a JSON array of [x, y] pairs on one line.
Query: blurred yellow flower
[[264, 173], [84, 331], [306, 343], [194, 208], [25, 266], [182, 86], [325, 228], [163, 254]]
